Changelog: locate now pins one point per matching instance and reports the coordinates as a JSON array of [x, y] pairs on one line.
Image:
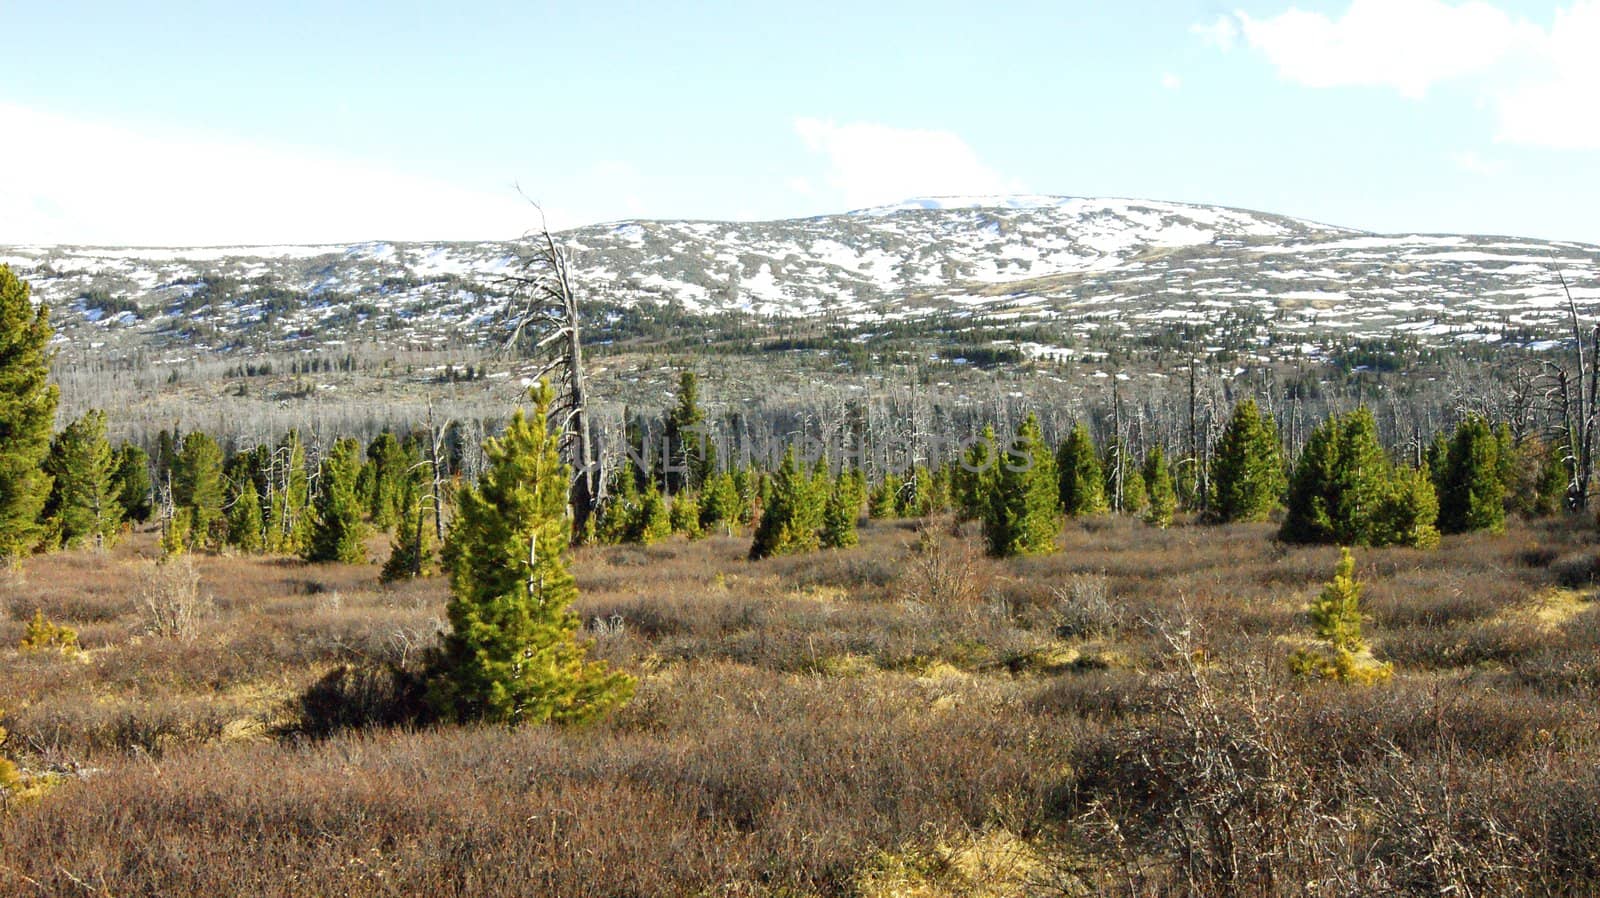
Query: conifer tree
[[720, 504], [288, 497], [409, 551], [1336, 612], [972, 474], [1158, 484], [387, 464], [27, 414], [651, 523], [1408, 512], [1473, 494], [1081, 483], [133, 483], [684, 515], [512, 654], [1339, 483], [1023, 493], [691, 457], [197, 485], [85, 503], [336, 519], [788, 523], [1128, 497], [885, 500], [1247, 468], [842, 511], [246, 525], [621, 510]]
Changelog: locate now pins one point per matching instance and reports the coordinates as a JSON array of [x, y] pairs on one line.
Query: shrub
[[44, 636], [173, 605]]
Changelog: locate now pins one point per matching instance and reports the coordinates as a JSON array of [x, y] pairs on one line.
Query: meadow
[[906, 717]]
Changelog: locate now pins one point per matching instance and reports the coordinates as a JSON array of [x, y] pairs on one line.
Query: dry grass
[[902, 718]]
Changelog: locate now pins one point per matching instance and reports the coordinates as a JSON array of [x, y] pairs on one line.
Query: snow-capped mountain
[[1065, 265]]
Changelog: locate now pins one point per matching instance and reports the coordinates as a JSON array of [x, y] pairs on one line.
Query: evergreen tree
[[1473, 494], [621, 510], [1081, 483], [652, 523], [1128, 497], [1408, 512], [336, 520], [1158, 484], [288, 497], [246, 527], [1023, 494], [1247, 468], [842, 511], [720, 504], [692, 459], [972, 474], [387, 464], [788, 523], [409, 551], [1339, 483], [27, 414], [133, 483], [197, 485], [684, 515], [512, 654], [1336, 612], [1550, 489], [84, 503], [885, 499]]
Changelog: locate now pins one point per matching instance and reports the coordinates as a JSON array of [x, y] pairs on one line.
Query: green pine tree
[[387, 464], [246, 526], [1247, 467], [288, 497], [972, 475], [197, 484], [1339, 483], [843, 510], [1081, 483], [1336, 612], [885, 500], [512, 654], [692, 459], [133, 483], [621, 509], [1408, 512], [85, 502], [788, 523], [336, 532], [684, 515], [652, 523], [27, 414], [720, 505], [1021, 511], [409, 551], [1473, 493], [1158, 485]]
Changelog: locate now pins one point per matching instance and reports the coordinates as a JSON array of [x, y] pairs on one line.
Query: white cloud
[[1539, 81], [64, 180], [1222, 34], [1171, 81], [873, 164], [1409, 45], [1554, 107]]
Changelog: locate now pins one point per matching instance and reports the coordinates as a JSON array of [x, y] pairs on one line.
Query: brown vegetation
[[905, 717]]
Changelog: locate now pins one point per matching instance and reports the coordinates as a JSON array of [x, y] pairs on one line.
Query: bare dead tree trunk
[[549, 311]]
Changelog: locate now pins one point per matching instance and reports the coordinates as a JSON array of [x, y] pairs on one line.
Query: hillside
[[1046, 276]]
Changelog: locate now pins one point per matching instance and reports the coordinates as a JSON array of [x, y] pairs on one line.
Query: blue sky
[[208, 123]]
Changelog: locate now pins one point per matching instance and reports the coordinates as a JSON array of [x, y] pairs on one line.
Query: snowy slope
[[1072, 263]]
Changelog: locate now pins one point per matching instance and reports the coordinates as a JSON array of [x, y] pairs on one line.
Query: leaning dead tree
[[542, 308], [1576, 398]]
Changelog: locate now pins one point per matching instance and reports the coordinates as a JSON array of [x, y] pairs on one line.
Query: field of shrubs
[[906, 717]]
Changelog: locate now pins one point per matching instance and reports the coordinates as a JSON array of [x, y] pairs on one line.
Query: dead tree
[[543, 305], [1575, 396]]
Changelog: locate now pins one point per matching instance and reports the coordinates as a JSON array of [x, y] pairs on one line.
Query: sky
[[168, 123]]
